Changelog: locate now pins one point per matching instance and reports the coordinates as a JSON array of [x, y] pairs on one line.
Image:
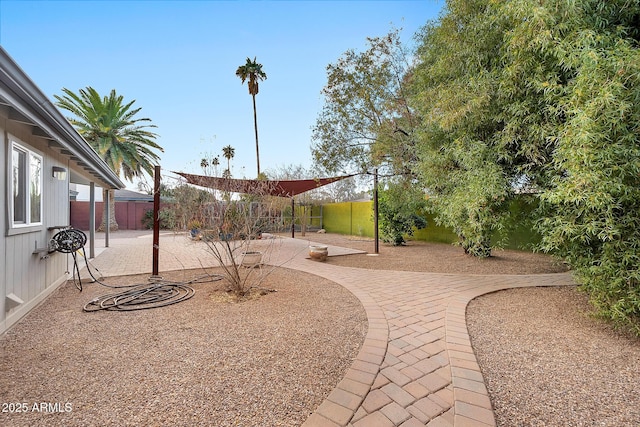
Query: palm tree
[[228, 152], [252, 71], [215, 162], [111, 128]]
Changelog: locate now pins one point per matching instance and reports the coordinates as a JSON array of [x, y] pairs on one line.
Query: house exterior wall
[[28, 275]]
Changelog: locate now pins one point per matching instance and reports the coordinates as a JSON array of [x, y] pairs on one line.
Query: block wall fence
[[350, 218], [356, 218]]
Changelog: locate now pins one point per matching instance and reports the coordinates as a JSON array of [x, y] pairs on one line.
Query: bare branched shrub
[[232, 229]]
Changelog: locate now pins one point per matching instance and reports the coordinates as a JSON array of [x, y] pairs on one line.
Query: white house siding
[[3, 222], [31, 276]]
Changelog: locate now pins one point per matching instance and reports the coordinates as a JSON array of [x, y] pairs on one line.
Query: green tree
[[401, 210], [593, 204], [540, 95], [467, 170], [366, 120], [111, 127], [251, 72]]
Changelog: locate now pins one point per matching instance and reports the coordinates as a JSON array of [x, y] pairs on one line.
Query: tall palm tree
[[252, 72], [109, 125], [228, 153], [215, 162]]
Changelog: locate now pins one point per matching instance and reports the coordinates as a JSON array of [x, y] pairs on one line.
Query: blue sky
[[177, 60]]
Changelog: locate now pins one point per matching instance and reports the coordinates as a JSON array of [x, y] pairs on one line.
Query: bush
[[400, 210], [167, 219]]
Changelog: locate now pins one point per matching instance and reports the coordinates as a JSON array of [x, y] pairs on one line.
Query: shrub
[[167, 219]]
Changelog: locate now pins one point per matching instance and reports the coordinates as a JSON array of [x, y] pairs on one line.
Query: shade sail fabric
[[260, 187]]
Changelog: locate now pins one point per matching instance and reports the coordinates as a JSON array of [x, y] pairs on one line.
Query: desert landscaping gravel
[[271, 360], [547, 361], [267, 361]]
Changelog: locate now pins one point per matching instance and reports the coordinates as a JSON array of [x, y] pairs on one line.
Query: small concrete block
[[360, 376], [412, 422], [428, 407], [477, 399], [396, 413], [418, 414], [462, 421], [466, 373], [439, 422], [396, 376], [354, 387], [375, 400], [412, 372], [334, 412], [380, 382], [416, 389], [426, 366], [361, 365], [477, 413], [433, 382], [400, 396], [377, 419], [316, 420], [344, 398], [475, 386], [360, 413]]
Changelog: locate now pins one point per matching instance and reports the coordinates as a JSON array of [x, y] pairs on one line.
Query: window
[[26, 179]]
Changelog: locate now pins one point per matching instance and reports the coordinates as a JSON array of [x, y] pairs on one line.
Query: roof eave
[[24, 96]]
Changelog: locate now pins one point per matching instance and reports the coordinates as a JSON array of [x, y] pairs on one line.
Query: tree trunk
[[255, 125], [109, 202]]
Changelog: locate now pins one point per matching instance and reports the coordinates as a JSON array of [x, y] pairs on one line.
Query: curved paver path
[[416, 366]]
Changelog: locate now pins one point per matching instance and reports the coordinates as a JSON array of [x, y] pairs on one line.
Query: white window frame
[[27, 175]]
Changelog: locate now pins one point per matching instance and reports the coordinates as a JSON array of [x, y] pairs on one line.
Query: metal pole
[[375, 208], [293, 218], [92, 220], [107, 231], [156, 220]]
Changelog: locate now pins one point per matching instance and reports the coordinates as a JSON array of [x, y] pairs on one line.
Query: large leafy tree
[[542, 95], [465, 167], [113, 129], [592, 207], [252, 73], [366, 121]]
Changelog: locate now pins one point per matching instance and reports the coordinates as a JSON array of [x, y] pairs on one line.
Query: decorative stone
[[251, 259], [318, 252]]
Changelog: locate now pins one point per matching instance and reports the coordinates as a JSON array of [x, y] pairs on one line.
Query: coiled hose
[[158, 293]]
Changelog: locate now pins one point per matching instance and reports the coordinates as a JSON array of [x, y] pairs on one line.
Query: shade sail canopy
[[260, 187]]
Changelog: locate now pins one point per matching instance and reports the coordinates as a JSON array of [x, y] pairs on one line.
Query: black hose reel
[[69, 241]]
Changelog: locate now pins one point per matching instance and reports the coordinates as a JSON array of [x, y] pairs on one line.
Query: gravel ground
[[435, 257], [271, 361], [268, 361], [547, 362]]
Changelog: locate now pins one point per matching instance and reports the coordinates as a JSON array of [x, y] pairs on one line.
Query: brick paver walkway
[[416, 366]]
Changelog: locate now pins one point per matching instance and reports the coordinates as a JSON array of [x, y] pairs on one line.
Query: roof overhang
[[27, 104]]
